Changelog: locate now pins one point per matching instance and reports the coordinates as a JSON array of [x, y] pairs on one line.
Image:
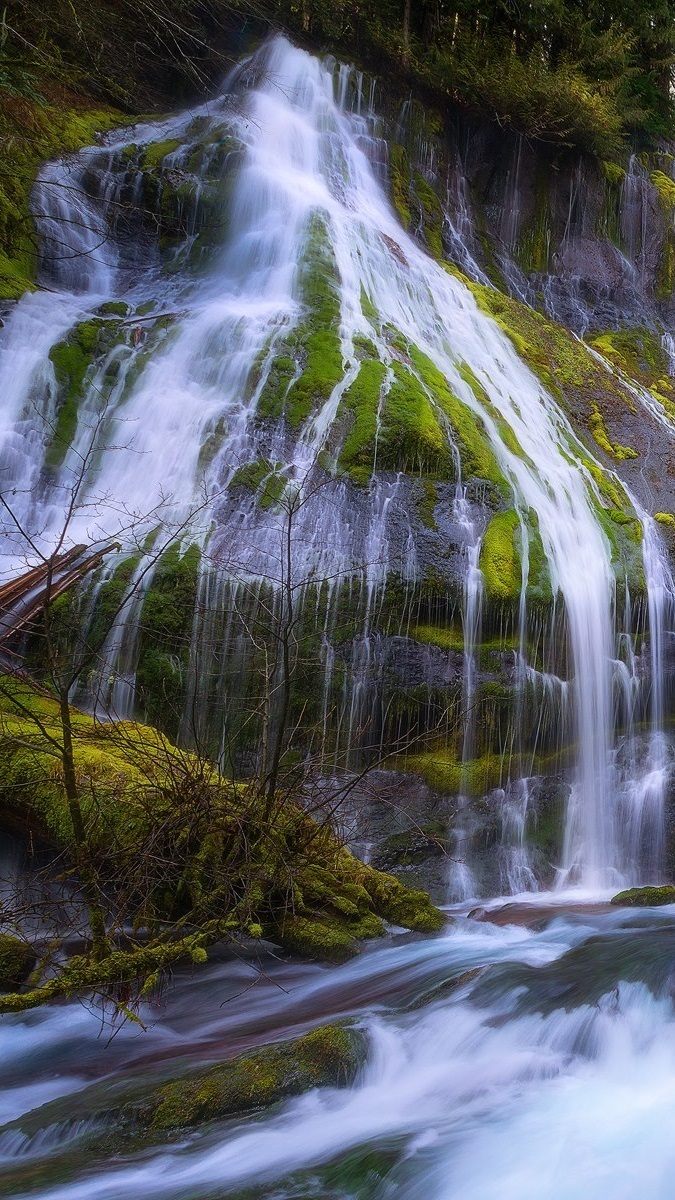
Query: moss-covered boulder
[[645, 897], [117, 1113], [185, 849], [327, 1057], [16, 962]]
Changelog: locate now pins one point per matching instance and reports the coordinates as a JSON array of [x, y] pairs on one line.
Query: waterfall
[[259, 186]]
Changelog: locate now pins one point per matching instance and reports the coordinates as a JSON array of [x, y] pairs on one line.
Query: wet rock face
[[583, 241], [508, 840]]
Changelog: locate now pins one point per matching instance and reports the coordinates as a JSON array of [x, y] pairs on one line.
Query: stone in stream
[[646, 897], [327, 1056]]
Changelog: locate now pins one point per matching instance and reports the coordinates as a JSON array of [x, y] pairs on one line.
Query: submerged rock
[[112, 1113], [327, 1057]]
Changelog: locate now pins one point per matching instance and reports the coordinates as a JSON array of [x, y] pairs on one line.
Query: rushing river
[[547, 1071]]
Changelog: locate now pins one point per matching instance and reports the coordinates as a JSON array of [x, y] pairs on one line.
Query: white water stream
[[543, 1075]]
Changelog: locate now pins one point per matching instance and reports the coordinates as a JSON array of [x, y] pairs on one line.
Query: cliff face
[[475, 591]]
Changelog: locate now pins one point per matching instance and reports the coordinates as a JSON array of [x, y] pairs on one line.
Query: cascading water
[[184, 400], [529, 1049]]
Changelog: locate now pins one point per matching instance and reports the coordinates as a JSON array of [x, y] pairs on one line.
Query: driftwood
[[22, 598]]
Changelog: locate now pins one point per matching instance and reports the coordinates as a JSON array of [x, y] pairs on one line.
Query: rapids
[[549, 1071]]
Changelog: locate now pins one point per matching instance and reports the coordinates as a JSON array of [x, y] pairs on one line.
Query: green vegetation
[[586, 389], [182, 853], [415, 201], [156, 152], [327, 1057], [500, 560], [317, 338], [109, 599], [362, 398], [264, 479], [639, 354], [72, 359], [586, 75], [32, 130], [16, 962], [164, 639], [645, 897], [598, 428], [444, 772], [477, 457], [665, 186]]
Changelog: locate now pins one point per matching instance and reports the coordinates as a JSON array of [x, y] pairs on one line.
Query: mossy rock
[[165, 631], [73, 359], [645, 897], [36, 131], [317, 337], [329, 1056], [262, 478], [16, 962], [499, 558], [411, 847], [223, 858]]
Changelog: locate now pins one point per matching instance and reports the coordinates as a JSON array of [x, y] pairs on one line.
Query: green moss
[[281, 371], [16, 962], [399, 169], [401, 905], [445, 637], [164, 640], [317, 339], [431, 213], [264, 479], [665, 519], [362, 399], [534, 246], [443, 772], [645, 897], [578, 381], [411, 436], [72, 360], [614, 173], [108, 601], [32, 132], [665, 187], [638, 352], [155, 153], [500, 560], [322, 940], [598, 428], [451, 637], [327, 1057], [114, 308], [477, 458], [214, 852]]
